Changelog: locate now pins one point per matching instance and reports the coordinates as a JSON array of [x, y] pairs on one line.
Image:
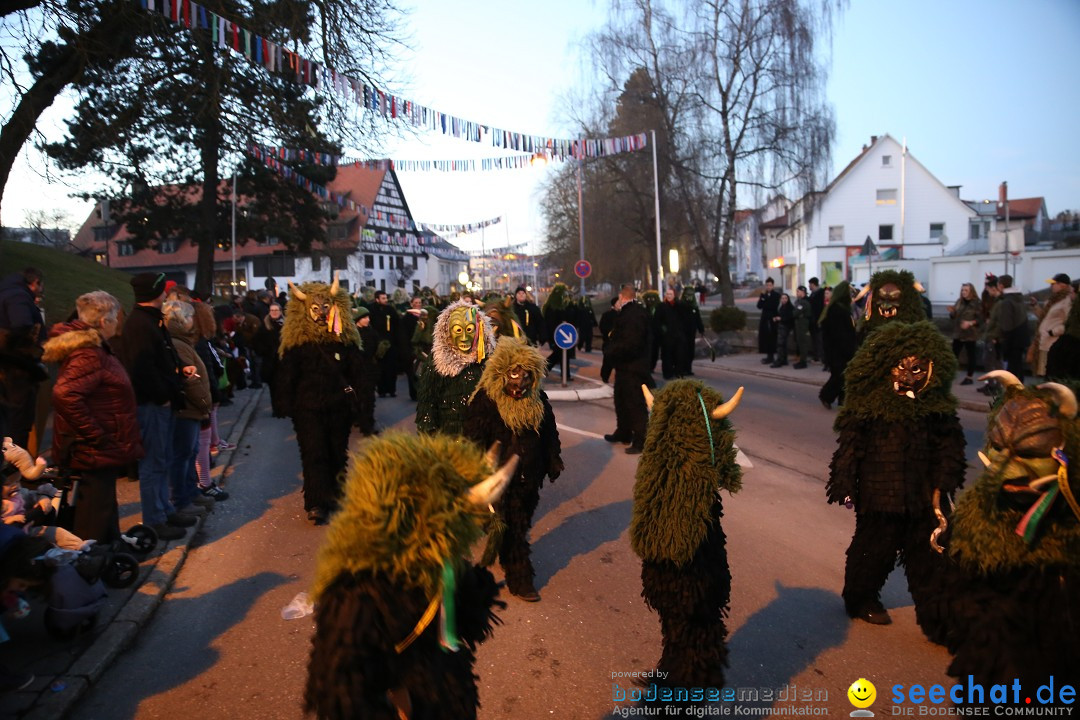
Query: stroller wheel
[[140, 538], [121, 571]]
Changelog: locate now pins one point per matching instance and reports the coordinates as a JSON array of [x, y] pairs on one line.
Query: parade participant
[[838, 343], [1014, 542], [586, 322], [384, 320], [369, 371], [529, 316], [817, 307], [409, 320], [400, 608], [510, 407], [558, 308], [675, 528], [319, 368], [890, 296], [462, 339], [802, 313], [668, 328], [900, 443]]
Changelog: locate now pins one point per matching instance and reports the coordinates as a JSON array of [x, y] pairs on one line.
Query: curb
[[88, 668]]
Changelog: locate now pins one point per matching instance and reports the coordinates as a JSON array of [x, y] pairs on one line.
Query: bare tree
[[739, 86]]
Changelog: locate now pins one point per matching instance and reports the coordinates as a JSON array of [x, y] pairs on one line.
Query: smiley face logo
[[862, 693]]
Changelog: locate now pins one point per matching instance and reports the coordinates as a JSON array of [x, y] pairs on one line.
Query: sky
[[983, 91]]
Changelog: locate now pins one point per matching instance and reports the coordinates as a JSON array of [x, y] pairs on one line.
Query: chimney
[[873, 139], [1003, 193]]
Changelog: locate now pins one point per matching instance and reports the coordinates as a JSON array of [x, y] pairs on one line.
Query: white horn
[[492, 455], [1066, 398], [334, 287], [722, 411], [919, 287], [648, 396], [488, 491], [862, 293], [1007, 378], [296, 292], [985, 460]]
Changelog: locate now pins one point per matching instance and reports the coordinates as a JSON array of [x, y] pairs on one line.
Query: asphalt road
[[218, 647]]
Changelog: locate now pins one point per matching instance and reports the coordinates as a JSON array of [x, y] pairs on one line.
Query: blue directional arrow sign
[[565, 336]]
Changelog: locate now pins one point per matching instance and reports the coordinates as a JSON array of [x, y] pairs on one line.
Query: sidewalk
[[64, 670]]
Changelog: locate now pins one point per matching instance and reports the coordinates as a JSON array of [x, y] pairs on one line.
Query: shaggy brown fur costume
[[525, 427], [689, 458]]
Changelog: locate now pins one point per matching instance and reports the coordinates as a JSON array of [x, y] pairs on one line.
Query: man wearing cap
[[1052, 319], [147, 353]]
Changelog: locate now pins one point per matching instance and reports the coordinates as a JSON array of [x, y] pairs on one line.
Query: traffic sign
[[565, 336], [583, 269]]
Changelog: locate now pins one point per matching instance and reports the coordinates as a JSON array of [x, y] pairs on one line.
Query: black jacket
[[146, 350], [531, 321], [628, 348]]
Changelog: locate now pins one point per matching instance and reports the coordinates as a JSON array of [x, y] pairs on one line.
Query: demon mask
[[886, 301], [512, 378], [463, 329], [463, 334], [318, 313], [911, 375]]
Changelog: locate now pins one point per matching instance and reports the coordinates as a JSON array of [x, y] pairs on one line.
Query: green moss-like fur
[[983, 534], [868, 382], [518, 414], [676, 480], [910, 309], [405, 510], [300, 329], [558, 299]]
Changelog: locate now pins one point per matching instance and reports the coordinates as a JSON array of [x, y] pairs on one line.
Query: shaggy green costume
[[689, 457], [314, 385], [448, 380], [1015, 601], [510, 407], [899, 440], [893, 297], [394, 553]]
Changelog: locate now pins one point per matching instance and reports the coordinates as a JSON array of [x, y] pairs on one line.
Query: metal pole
[[564, 369], [656, 194], [1006, 186], [580, 220], [232, 244]]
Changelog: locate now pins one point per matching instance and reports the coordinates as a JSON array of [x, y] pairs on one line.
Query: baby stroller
[[115, 565]]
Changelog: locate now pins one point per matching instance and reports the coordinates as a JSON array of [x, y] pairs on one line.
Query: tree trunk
[[209, 152]]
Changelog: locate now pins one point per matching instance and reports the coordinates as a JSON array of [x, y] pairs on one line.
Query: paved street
[[218, 648]]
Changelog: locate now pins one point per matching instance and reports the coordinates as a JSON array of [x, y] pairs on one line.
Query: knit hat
[[519, 288], [148, 286], [359, 312]]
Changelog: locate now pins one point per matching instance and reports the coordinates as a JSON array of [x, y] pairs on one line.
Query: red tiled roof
[[776, 222], [1022, 208]]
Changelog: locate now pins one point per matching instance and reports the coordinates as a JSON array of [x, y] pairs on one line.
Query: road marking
[[586, 433]]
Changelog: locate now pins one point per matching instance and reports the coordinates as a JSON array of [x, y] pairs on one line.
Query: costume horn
[[919, 287], [1007, 378], [862, 293], [492, 455], [722, 411], [334, 287], [488, 491], [296, 292], [648, 397], [1066, 398]]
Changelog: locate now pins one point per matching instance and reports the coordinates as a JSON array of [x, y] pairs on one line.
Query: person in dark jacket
[[157, 375], [838, 342], [692, 326], [965, 315], [1008, 326], [369, 371], [529, 316], [384, 320], [559, 309], [667, 326], [409, 320], [768, 303], [785, 325], [802, 313], [607, 322], [95, 430], [586, 323], [22, 330], [817, 306], [628, 351]]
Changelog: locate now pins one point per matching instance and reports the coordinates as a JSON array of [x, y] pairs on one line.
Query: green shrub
[[722, 319]]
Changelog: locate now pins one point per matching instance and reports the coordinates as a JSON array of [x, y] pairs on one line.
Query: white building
[[884, 194]]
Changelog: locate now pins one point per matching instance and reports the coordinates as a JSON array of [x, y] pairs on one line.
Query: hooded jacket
[[94, 424]]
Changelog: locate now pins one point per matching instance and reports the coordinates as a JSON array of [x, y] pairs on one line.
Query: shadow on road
[[577, 535]]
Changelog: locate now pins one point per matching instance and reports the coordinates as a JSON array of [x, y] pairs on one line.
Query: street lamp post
[[656, 195], [581, 209], [232, 244]]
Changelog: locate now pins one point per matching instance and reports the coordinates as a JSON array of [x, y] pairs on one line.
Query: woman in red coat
[[94, 428]]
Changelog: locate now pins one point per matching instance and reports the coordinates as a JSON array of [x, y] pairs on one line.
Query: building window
[[886, 197], [167, 247], [274, 266], [415, 263], [339, 231], [382, 282], [343, 283], [100, 258], [399, 262], [836, 233], [381, 264], [268, 241], [369, 262], [101, 234], [416, 286], [979, 229], [316, 263], [884, 232], [125, 248], [936, 230], [886, 161], [339, 262]]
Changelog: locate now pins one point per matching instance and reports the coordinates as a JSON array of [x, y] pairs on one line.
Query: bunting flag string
[[459, 228], [511, 162], [280, 60]]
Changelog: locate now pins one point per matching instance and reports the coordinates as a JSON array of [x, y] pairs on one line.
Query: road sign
[[565, 336], [583, 269]]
